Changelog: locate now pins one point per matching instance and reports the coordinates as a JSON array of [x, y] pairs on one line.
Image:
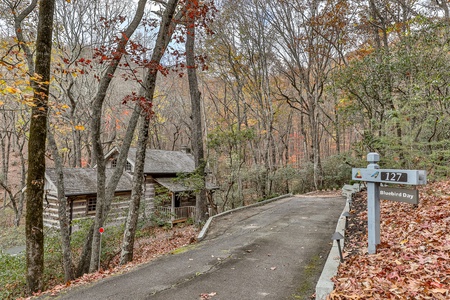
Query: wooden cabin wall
[[117, 214], [50, 215], [149, 196]]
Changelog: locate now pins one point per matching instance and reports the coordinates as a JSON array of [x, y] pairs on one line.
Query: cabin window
[[127, 165], [114, 163], [91, 205]]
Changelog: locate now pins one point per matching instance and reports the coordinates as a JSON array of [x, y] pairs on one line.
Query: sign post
[[374, 176], [101, 230], [373, 205]]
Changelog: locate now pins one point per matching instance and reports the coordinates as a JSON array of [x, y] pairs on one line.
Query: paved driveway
[[275, 251]]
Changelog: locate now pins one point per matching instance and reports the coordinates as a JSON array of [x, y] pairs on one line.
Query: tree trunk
[[163, 39], [21, 141], [133, 212], [315, 143], [5, 146], [76, 162], [23, 175], [101, 187], [64, 222], [13, 201], [197, 133], [36, 149], [85, 259]]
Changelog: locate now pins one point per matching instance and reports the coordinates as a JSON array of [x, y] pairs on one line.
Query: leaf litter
[[413, 257]]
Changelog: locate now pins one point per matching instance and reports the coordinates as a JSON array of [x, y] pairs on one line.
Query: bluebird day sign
[[374, 176]]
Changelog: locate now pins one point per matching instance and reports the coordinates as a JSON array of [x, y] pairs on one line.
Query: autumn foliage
[[412, 261]]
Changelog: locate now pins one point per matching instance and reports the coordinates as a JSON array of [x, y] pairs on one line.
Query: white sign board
[[410, 177]]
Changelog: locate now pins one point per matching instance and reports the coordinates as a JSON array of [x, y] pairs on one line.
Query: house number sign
[[374, 176], [394, 176]]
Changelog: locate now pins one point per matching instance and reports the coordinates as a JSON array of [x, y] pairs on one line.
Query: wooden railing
[[179, 214]]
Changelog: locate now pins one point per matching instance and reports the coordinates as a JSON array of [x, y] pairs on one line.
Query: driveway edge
[[205, 228], [324, 285]]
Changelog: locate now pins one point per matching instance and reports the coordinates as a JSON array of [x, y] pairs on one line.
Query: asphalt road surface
[[274, 251]]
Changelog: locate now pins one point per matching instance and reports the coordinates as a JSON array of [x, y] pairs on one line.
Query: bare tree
[[305, 49], [164, 36], [197, 132], [16, 122], [36, 149], [85, 37], [97, 104], [64, 222]]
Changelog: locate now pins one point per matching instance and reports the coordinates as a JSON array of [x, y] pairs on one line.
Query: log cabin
[[80, 185], [169, 197]]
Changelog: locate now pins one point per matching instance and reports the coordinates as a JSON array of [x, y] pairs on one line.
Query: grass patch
[[310, 273], [184, 249], [12, 276]]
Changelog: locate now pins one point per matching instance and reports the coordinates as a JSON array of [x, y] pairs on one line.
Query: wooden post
[[373, 206], [172, 209]]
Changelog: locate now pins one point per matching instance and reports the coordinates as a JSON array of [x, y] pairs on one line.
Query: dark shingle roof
[[80, 181], [176, 186], [165, 162]]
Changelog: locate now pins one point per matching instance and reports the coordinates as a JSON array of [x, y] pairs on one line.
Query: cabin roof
[[83, 181], [176, 185], [164, 162]]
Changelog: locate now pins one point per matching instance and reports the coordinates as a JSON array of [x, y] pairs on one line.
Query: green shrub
[[305, 179], [337, 170], [80, 229], [12, 276], [160, 218], [190, 221], [53, 258], [111, 243], [282, 180]]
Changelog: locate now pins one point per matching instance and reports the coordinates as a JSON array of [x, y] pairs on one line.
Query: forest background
[[293, 93]]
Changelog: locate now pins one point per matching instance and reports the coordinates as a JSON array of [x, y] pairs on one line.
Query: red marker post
[[101, 230]]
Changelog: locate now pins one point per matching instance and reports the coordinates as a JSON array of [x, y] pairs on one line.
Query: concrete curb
[[325, 286], [205, 228]]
